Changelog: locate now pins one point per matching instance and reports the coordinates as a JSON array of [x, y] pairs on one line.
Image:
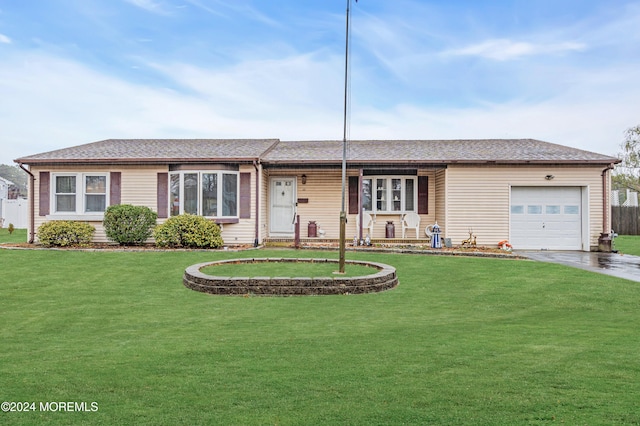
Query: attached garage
[[548, 218]]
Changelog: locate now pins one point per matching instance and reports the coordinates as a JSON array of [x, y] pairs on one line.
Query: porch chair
[[367, 223], [411, 221]]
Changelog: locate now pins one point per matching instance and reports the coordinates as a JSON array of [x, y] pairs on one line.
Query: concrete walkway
[[616, 264]]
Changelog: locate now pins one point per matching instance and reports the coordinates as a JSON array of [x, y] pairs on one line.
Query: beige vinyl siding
[[244, 231], [440, 199], [478, 198], [138, 187], [323, 190]]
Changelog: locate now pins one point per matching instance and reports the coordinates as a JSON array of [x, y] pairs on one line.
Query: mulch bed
[[379, 248]]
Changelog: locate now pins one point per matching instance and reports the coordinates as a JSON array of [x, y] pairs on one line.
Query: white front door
[[283, 205]]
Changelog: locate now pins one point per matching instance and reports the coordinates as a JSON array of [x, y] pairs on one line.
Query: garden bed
[[384, 279]]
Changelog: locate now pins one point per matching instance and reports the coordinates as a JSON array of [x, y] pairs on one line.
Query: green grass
[[459, 341], [287, 269], [18, 236], [627, 244]]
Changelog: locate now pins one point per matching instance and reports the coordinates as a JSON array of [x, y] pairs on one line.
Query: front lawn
[[17, 236], [459, 341]]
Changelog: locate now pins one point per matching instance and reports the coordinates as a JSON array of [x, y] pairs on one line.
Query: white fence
[[14, 211]]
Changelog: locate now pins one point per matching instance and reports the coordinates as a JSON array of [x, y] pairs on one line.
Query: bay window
[[204, 193]]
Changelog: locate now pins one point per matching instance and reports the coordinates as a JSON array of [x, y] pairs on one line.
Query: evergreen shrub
[[188, 231], [65, 233], [126, 224]]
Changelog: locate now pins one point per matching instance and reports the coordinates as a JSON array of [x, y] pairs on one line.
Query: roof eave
[[126, 161], [442, 162]]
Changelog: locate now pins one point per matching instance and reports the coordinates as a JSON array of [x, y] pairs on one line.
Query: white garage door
[[546, 218]]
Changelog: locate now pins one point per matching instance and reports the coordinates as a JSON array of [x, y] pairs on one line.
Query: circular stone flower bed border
[[384, 279]]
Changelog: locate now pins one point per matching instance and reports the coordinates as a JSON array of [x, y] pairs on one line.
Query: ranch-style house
[[534, 194]]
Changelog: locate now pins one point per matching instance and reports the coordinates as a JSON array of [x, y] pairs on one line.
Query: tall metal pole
[[343, 211]]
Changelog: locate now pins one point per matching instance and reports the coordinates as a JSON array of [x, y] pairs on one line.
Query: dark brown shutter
[[245, 195], [163, 195], [45, 188], [353, 194], [115, 188], [423, 195]]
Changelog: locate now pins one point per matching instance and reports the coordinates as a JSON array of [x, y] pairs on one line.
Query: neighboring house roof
[[273, 151], [503, 151], [156, 151], [6, 181]]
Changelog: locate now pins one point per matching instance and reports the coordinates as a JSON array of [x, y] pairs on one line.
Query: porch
[[335, 242]]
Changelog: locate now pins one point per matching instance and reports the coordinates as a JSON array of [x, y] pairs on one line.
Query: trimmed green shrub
[[65, 233], [11, 228], [188, 231], [126, 224]]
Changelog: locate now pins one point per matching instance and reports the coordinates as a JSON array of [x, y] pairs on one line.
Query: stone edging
[[384, 279]]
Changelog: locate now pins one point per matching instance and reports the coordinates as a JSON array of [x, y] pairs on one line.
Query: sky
[[78, 71]]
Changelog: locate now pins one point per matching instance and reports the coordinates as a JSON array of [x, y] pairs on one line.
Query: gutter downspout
[[256, 241], [32, 222], [604, 242]]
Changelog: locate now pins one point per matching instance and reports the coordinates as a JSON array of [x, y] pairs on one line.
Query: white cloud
[[270, 89], [5, 39], [504, 49], [592, 115], [149, 5], [204, 7], [58, 103], [240, 8]]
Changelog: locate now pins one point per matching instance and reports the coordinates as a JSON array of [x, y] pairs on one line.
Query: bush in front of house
[[126, 224], [188, 231], [65, 233]]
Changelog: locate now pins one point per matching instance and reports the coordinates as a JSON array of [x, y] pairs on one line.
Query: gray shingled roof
[[272, 151], [432, 151], [157, 150]]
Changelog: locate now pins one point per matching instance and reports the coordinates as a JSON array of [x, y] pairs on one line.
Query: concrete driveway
[[616, 264]]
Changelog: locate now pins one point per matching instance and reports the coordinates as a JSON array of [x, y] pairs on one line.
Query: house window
[[80, 193], [95, 194], [382, 194], [204, 193]]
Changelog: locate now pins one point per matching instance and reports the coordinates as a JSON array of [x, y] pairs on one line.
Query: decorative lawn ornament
[[471, 241], [504, 245]]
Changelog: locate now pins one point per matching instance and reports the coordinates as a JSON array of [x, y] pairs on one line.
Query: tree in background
[[16, 175], [627, 174]]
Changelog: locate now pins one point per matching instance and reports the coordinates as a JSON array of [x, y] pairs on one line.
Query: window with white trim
[[204, 193], [80, 193], [389, 194]]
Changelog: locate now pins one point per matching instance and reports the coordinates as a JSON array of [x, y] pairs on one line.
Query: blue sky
[[77, 71]]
